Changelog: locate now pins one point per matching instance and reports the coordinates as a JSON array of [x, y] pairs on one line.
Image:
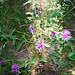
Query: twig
[[69, 11], [22, 32]]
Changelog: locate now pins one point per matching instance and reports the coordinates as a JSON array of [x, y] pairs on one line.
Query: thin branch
[[69, 11]]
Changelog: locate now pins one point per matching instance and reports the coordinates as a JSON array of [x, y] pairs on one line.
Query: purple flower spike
[[31, 28], [53, 33], [14, 68], [66, 0], [65, 35], [39, 45]]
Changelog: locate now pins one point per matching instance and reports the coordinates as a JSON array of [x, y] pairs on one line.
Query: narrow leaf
[[43, 60], [12, 32], [20, 45], [14, 42], [69, 43], [60, 50]]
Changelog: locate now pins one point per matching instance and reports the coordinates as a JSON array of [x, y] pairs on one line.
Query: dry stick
[[71, 2], [69, 11], [22, 33], [13, 60], [71, 29]]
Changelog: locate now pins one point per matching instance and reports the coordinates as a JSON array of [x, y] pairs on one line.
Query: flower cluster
[[31, 28], [39, 45], [65, 35], [14, 68]]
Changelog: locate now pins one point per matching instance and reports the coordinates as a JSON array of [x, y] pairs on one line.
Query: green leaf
[[29, 71], [60, 50], [58, 63], [53, 21], [18, 12], [25, 63], [48, 20], [66, 63], [0, 0], [72, 38], [34, 56], [20, 45], [12, 32], [48, 26], [43, 22], [42, 27], [69, 43], [56, 54], [3, 36], [70, 54], [43, 60], [30, 58], [0, 29], [25, 20], [14, 42]]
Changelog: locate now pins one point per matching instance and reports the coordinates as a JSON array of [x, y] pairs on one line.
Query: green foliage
[[71, 56]]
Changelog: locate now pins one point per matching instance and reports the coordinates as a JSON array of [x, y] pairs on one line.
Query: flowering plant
[[14, 68]]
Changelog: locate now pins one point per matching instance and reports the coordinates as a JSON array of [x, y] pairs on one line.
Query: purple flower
[[66, 0], [14, 68], [0, 62], [65, 35], [39, 45], [31, 28], [53, 33], [37, 37]]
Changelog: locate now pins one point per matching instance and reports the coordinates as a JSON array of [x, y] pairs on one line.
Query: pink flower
[[65, 35], [14, 68], [39, 45], [67, 32]]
